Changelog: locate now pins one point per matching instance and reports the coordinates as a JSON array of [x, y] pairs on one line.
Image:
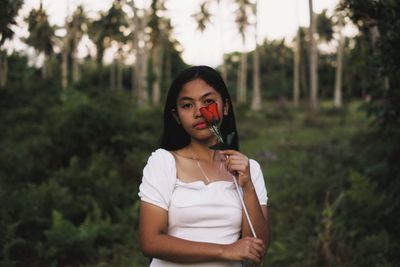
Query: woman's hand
[[247, 248], [237, 164]]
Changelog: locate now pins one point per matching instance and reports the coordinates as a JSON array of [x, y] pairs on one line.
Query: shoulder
[[161, 153], [161, 156], [161, 161], [159, 178]]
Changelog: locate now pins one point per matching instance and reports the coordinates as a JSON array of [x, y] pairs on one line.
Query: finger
[[259, 248], [238, 162], [237, 157], [260, 243], [254, 256], [234, 170], [256, 241], [237, 167], [230, 152]]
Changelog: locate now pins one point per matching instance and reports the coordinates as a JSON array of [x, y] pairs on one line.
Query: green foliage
[[41, 33], [9, 10], [381, 158], [71, 161], [71, 165], [324, 26]]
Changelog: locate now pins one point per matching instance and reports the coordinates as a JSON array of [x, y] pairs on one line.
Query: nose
[[197, 112]]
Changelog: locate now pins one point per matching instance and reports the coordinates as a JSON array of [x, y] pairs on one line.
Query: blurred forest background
[[76, 133]]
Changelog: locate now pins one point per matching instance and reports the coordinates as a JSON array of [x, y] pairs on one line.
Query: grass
[[269, 131], [299, 151]]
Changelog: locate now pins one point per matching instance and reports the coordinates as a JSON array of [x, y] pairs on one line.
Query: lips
[[200, 125]]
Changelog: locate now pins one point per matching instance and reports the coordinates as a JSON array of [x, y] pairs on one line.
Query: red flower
[[211, 113]]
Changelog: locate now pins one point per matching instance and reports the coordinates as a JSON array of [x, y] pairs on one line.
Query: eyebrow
[[203, 96]]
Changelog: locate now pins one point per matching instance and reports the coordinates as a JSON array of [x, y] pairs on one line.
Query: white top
[[196, 211]]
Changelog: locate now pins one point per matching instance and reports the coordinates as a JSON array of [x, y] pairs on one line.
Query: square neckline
[[196, 181]]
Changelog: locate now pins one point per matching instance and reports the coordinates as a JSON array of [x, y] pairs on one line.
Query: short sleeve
[[159, 178], [258, 182]]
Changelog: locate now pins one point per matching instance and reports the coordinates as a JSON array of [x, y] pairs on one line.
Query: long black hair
[[174, 136]]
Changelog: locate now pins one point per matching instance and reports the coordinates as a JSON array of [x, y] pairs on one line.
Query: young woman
[[191, 213]]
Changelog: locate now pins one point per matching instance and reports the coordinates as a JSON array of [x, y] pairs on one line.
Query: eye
[[209, 101], [186, 105]]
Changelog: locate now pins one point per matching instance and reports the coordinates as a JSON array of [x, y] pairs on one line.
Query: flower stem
[[217, 132]]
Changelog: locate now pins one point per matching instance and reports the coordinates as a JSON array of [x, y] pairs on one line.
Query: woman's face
[[194, 95]]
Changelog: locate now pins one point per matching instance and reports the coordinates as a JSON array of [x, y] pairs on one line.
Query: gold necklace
[[198, 164]]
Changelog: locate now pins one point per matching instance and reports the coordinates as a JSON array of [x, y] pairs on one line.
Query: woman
[[190, 212]]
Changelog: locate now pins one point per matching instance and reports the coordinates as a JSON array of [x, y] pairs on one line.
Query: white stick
[[244, 207]]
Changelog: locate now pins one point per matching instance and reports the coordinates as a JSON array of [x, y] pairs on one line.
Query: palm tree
[[337, 98], [296, 63], [75, 27], [9, 10], [116, 22], [305, 66], [105, 31], [324, 27], [140, 46], [97, 34], [65, 50], [78, 27], [256, 99], [203, 17], [159, 35], [313, 58], [41, 36], [242, 23], [325, 31], [296, 68]]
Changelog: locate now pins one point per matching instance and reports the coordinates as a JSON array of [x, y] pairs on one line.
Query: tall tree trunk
[[363, 78], [375, 36], [144, 93], [241, 97], [296, 71], [296, 62], [133, 81], [303, 78], [141, 79], [75, 63], [157, 70], [49, 65], [120, 70], [140, 67], [3, 69], [256, 98], [313, 54], [99, 61], [64, 67], [44, 67], [339, 72], [112, 76]]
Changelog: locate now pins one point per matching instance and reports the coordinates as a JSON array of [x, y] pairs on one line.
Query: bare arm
[[239, 165], [258, 215], [155, 242]]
